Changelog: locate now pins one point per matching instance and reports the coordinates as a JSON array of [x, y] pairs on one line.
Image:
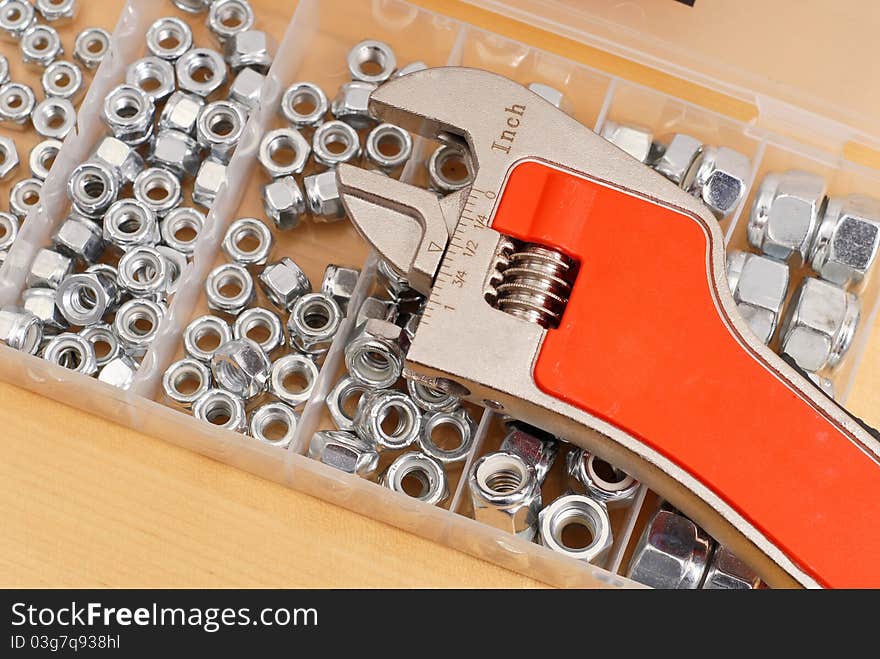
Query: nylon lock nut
[[819, 325], [786, 214], [672, 553], [177, 152], [79, 238], [123, 159], [169, 38], [16, 16], [374, 356], [40, 46], [91, 46], [576, 510], [200, 71], [271, 418], [9, 226], [284, 282], [352, 103], [72, 352], [241, 367], [41, 303], [344, 451], [20, 329], [128, 111], [536, 448], [374, 411], [335, 142], [54, 118], [181, 112], [634, 140], [17, 103], [252, 49], [92, 188], [759, 285], [8, 157], [304, 105], [346, 392], [230, 288], [119, 372], [210, 180], [42, 156], [85, 298], [719, 177], [314, 321], [424, 470], [226, 18], [128, 223], [601, 480], [847, 240], [283, 202], [322, 196], [48, 269], [25, 195], [62, 79], [219, 128], [339, 283], [505, 493], [289, 142], [727, 572], [222, 409], [57, 11], [152, 75], [247, 88]]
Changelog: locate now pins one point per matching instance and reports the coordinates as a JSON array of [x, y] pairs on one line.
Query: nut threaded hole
[[415, 483], [504, 481]]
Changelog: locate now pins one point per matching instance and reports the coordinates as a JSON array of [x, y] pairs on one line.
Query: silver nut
[[505, 493], [248, 241], [17, 102], [388, 147], [379, 407], [48, 269], [181, 227], [20, 329], [200, 71], [56, 11], [374, 307], [283, 202], [293, 379], [759, 285], [550, 94], [430, 399], [412, 67], [72, 352], [786, 213], [396, 285], [340, 283], [819, 325], [62, 79], [727, 572], [129, 223], [447, 447], [371, 61], [344, 451], [4, 70], [226, 18], [284, 152], [204, 335], [335, 142], [352, 104], [177, 152], [144, 273], [137, 324], [672, 553], [123, 159], [246, 88], [25, 195], [322, 196], [374, 356], [92, 188], [674, 156], [104, 341], [274, 424], [603, 481], [9, 225], [342, 402], [230, 288], [222, 409], [241, 367], [633, 140], [219, 128], [314, 321], [252, 49], [420, 470], [8, 156], [720, 177], [79, 238], [128, 112], [536, 448], [16, 16], [210, 180], [181, 112], [848, 239], [576, 510], [40, 45], [284, 282], [192, 6], [185, 381], [169, 38], [158, 189], [41, 303], [119, 372], [262, 326], [42, 157], [448, 170], [304, 105], [91, 46], [153, 76]]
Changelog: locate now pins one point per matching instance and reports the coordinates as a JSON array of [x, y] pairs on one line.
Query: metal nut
[[92, 188], [91, 45], [48, 269], [335, 142], [322, 196], [304, 104], [25, 195], [241, 367], [152, 75], [123, 159], [448, 170], [374, 356], [104, 341], [576, 510], [79, 238], [20, 329], [262, 326], [192, 6], [819, 325], [340, 283], [388, 147], [292, 379], [786, 214], [219, 128], [759, 285], [85, 298], [16, 16], [222, 409], [283, 202], [347, 391], [56, 11], [374, 411], [177, 152], [200, 71], [41, 303], [252, 49], [42, 157], [72, 352], [847, 240], [9, 225], [158, 189], [129, 223], [672, 553], [634, 140], [40, 45], [137, 323], [537, 448], [181, 228], [119, 372], [344, 451], [177, 264], [248, 241], [181, 112], [424, 471], [550, 94], [727, 572], [144, 273], [210, 180], [226, 18], [274, 424], [374, 307], [204, 335], [8, 156], [603, 481], [720, 177], [371, 61], [17, 102], [352, 104], [314, 321], [246, 88], [448, 452], [505, 493], [169, 38], [430, 399], [284, 282], [128, 112], [230, 288], [185, 381], [284, 152], [62, 79]]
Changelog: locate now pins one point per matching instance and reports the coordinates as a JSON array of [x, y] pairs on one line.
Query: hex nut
[[424, 470], [8, 157], [16, 16], [41, 303], [304, 104], [210, 180], [79, 238], [335, 142], [374, 307], [20, 330], [158, 189], [786, 213], [128, 112], [25, 195], [247, 88], [388, 147], [759, 285], [505, 493], [371, 61], [226, 18], [396, 285], [230, 288], [219, 128], [123, 159], [144, 273], [84, 298], [538, 450], [284, 152], [119, 372], [169, 37], [241, 367], [634, 140], [222, 409], [62, 79], [602, 481], [448, 170], [672, 553], [340, 283], [72, 352], [293, 379], [4, 70], [42, 156], [181, 227], [259, 318], [848, 239], [344, 451], [283, 202], [462, 426], [322, 196], [345, 392], [674, 155], [720, 178], [429, 399], [579, 510], [284, 282], [152, 75], [48, 269], [727, 572], [137, 324], [17, 102], [185, 381], [104, 341], [56, 11], [376, 408], [253, 49], [40, 45], [177, 152], [248, 241], [550, 94], [91, 46], [266, 423], [129, 223], [200, 71], [314, 320], [92, 188], [352, 104], [819, 324], [181, 112], [204, 335], [374, 356]]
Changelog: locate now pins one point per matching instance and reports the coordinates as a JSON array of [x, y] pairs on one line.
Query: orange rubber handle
[[644, 345]]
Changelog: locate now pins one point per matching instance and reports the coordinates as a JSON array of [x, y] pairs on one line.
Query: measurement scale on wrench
[[573, 288]]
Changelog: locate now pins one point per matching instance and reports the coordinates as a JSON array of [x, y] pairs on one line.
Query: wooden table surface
[[85, 502]]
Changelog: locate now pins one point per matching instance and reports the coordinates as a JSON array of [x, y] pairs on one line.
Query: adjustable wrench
[[575, 289]]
